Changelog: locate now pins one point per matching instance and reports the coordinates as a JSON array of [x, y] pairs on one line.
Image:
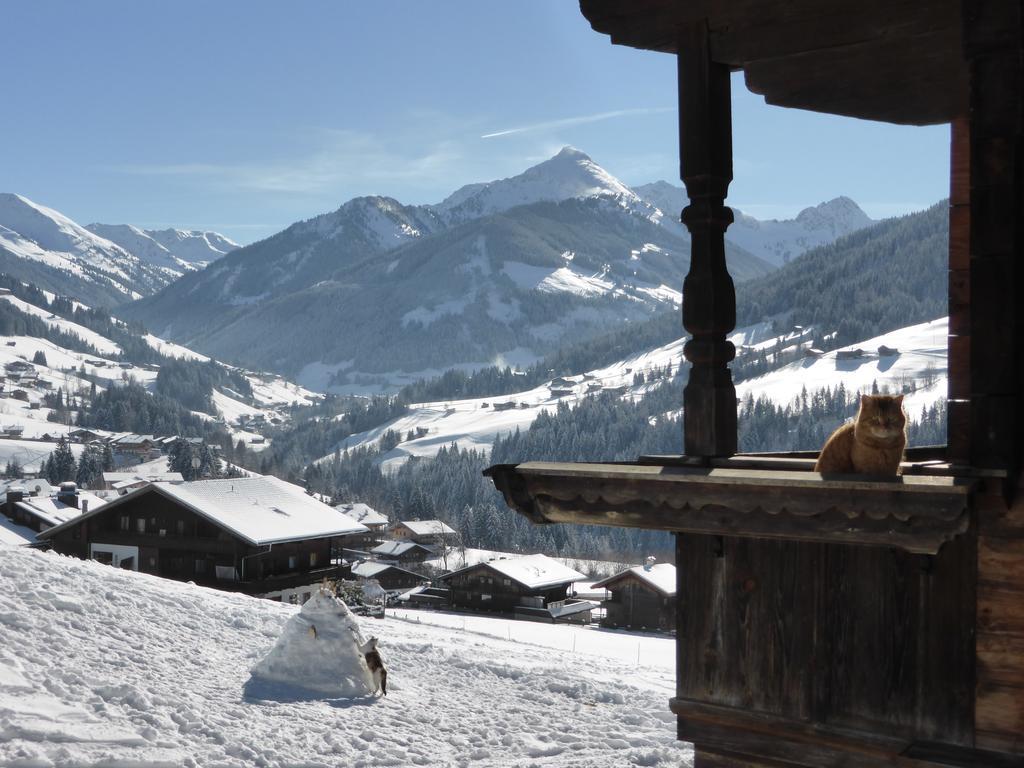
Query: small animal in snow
[[376, 665]]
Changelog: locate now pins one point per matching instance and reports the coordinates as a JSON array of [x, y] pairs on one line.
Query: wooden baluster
[[709, 298]]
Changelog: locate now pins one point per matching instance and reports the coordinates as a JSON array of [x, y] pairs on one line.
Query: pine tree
[[60, 466]]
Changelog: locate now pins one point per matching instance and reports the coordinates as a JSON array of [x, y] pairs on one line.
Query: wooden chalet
[[839, 621], [257, 535], [402, 552], [390, 577], [533, 586], [643, 597], [424, 532]]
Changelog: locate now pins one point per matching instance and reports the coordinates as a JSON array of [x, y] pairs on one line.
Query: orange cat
[[872, 444]]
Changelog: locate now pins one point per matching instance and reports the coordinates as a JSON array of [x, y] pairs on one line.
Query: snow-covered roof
[[54, 512], [14, 534], [370, 570], [426, 527], [260, 510], [153, 477], [397, 548], [532, 571], [661, 576], [363, 513]]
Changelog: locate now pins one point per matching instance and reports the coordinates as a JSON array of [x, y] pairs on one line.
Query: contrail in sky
[[580, 120]]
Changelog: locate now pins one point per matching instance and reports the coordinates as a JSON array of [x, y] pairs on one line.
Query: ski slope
[[104, 667]]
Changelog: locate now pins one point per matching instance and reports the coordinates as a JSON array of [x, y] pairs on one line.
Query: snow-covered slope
[[776, 241], [45, 247], [569, 174], [919, 366], [100, 666]]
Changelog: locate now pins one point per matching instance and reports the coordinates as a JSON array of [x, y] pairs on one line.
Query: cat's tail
[[384, 681]]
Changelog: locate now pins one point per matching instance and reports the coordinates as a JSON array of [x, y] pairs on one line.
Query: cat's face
[[882, 415]]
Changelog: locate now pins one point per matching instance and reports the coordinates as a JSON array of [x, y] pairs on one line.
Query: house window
[[485, 597], [507, 582], [140, 524], [293, 562], [126, 523], [200, 567], [313, 559], [181, 527]]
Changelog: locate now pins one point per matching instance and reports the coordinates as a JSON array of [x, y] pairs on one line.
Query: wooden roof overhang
[[744, 497], [874, 59]]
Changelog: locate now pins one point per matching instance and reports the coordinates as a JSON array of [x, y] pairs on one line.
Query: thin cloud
[[580, 120]]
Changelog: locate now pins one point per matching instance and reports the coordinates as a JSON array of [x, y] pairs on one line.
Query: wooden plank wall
[[873, 641], [993, 45]]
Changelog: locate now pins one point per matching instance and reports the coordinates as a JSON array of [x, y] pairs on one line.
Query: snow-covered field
[[103, 667]]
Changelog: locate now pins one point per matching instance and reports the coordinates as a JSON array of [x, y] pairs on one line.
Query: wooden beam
[[709, 297], [918, 514]]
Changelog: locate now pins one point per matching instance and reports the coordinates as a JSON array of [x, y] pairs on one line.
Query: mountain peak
[[569, 174]]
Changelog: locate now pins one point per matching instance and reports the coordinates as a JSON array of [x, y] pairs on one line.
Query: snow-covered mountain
[[376, 293], [569, 174], [776, 241], [45, 247], [177, 250]]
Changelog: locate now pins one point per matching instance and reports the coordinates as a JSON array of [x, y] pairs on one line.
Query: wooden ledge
[[915, 513], [795, 743]]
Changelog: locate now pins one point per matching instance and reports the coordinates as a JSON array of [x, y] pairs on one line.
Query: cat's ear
[[864, 400], [899, 399]]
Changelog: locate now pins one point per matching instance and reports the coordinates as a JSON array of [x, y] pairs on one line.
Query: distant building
[[44, 512], [257, 535], [643, 597], [424, 531], [849, 354], [884, 351], [531, 587], [390, 577], [125, 482], [402, 552]]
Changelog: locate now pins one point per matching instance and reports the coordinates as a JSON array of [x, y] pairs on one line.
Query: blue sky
[[244, 115]]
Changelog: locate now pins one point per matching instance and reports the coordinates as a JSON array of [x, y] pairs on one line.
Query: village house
[[530, 587], [643, 597], [424, 532], [257, 535], [390, 577], [376, 524], [126, 481], [41, 512], [402, 552]]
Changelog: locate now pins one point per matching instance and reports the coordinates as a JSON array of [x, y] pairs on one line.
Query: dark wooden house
[[509, 584], [643, 597], [839, 621], [402, 552], [257, 535], [390, 577]]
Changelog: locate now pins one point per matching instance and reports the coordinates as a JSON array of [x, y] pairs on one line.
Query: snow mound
[[318, 651]]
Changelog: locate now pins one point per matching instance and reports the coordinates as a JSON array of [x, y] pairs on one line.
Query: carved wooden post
[[709, 298]]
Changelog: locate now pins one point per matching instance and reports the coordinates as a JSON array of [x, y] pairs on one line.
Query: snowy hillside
[[919, 365], [45, 247], [100, 666], [776, 241], [77, 372], [176, 250]]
